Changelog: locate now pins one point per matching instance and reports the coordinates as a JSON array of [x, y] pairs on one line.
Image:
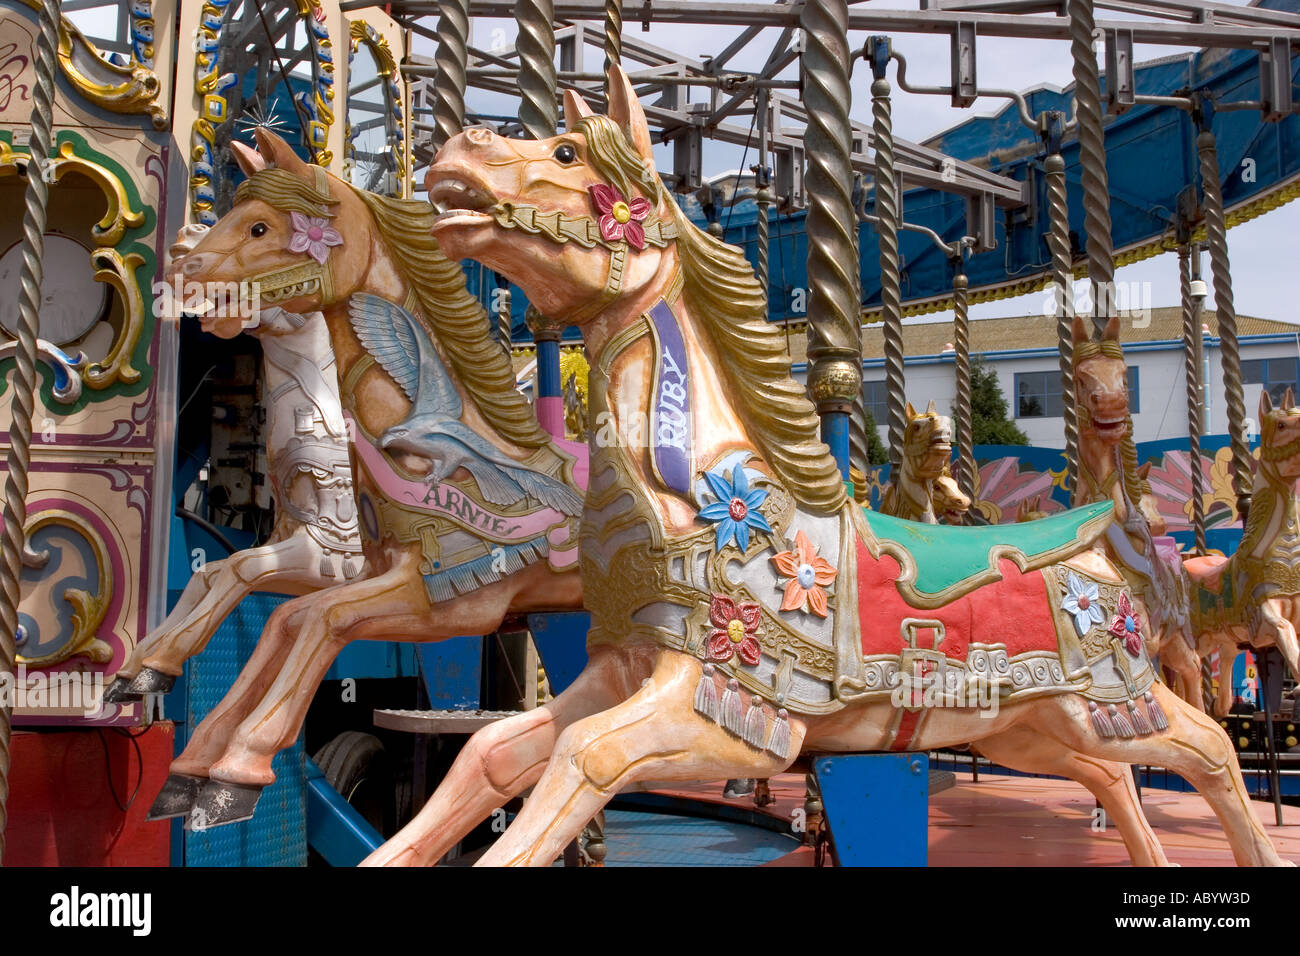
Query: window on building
[[1275, 374], [1038, 394], [876, 398]]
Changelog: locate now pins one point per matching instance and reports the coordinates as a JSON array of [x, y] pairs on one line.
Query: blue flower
[[736, 510]]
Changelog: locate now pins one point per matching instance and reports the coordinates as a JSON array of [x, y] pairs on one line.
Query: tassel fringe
[[1157, 714], [778, 745], [1123, 728], [1100, 722], [1140, 723], [732, 718], [706, 695], [350, 569], [326, 566], [755, 725]]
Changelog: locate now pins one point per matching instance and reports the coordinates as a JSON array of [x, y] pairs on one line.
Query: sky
[[1265, 278]]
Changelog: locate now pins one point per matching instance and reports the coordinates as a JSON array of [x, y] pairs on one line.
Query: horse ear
[[279, 153], [911, 412], [1079, 330], [625, 109], [1288, 399], [1111, 332], [249, 159], [1265, 404], [1144, 471], [930, 409], [575, 109]]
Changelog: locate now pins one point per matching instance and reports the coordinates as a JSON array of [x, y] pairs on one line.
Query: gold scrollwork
[[88, 609], [111, 266], [359, 31], [119, 89]]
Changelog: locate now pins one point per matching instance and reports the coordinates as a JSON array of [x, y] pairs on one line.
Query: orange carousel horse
[[744, 611]]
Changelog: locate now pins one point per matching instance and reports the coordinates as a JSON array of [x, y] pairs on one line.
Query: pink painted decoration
[[619, 218], [313, 236]]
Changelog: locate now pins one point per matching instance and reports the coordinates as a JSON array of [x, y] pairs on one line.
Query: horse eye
[[258, 230], [565, 153]]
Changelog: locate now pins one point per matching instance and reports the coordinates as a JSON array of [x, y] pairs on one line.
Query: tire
[[358, 767]]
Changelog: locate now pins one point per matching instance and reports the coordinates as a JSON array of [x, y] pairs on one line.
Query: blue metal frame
[[876, 807], [334, 829]]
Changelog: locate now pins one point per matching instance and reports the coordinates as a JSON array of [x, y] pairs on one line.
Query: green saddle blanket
[[949, 560]]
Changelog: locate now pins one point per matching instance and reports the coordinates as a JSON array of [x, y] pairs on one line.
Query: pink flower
[[620, 219], [313, 236], [1126, 625], [736, 630]]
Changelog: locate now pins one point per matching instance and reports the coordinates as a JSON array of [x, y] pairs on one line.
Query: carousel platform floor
[[997, 821]]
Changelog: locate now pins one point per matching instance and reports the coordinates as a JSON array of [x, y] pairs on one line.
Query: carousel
[[443, 459]]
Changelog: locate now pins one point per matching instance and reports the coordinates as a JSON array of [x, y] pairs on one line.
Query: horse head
[[927, 443], [1279, 437], [576, 220], [284, 235], [1101, 383], [950, 502]]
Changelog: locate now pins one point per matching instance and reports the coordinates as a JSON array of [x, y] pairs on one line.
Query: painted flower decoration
[[735, 630], [1083, 603], [619, 218], [808, 574], [736, 510], [1126, 625], [313, 236]]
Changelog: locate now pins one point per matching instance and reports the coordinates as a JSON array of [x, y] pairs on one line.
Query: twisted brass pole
[[23, 394], [1192, 355], [452, 58], [536, 46], [1092, 158], [1216, 235], [834, 336], [1058, 242], [613, 33], [889, 216], [965, 423]]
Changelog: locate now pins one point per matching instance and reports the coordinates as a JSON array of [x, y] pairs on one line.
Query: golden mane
[[457, 320], [731, 307]]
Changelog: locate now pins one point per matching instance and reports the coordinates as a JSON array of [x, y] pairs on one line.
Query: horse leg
[[391, 607], [292, 564], [1273, 615], [499, 762], [1025, 749], [1227, 660], [1194, 746], [653, 735], [1178, 655]]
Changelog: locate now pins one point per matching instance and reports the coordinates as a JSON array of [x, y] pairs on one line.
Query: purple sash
[[670, 404]]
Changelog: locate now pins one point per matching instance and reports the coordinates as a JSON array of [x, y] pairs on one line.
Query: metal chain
[[1192, 355], [1092, 158], [23, 398], [1216, 233], [452, 58], [1058, 242]]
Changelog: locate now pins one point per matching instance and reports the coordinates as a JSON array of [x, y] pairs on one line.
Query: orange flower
[[808, 574]]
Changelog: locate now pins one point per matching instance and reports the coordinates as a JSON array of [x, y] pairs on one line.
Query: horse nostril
[[479, 135], [191, 265]]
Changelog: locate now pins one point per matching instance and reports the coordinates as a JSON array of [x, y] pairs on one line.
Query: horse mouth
[[1110, 427], [456, 198]]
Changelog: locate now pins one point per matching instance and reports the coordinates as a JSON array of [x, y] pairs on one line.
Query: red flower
[[1126, 625], [619, 219], [735, 626]]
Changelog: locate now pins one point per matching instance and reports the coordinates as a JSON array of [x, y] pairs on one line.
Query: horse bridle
[[304, 278]]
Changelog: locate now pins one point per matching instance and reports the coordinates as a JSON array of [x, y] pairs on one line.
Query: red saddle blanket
[[1014, 612]]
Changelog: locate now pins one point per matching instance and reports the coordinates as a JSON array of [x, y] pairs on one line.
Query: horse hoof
[[177, 796], [119, 692], [742, 787], [221, 803], [150, 681]]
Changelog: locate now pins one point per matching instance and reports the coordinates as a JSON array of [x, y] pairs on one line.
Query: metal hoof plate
[[222, 803], [150, 681], [119, 692], [177, 796]]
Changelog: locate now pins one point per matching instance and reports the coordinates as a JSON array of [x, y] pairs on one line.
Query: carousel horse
[[1108, 472], [743, 610], [1253, 597], [468, 509], [950, 503], [927, 449], [315, 543]]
